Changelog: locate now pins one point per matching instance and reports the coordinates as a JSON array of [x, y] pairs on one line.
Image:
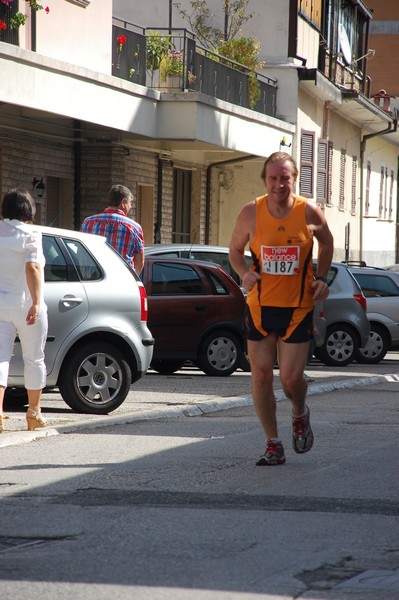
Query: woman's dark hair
[[18, 204]]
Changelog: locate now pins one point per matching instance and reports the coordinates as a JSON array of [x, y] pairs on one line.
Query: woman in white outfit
[[22, 307]]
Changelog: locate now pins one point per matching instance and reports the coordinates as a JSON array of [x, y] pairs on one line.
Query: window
[[377, 286], [85, 264], [307, 164], [9, 35], [311, 9], [342, 180], [172, 279], [217, 286], [55, 268], [181, 206]]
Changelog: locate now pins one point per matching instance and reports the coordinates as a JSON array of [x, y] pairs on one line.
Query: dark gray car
[[347, 326]]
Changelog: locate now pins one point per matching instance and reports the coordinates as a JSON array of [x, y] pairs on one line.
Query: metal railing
[[171, 60]]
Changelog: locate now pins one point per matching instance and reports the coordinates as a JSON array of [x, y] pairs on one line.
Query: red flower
[[3, 25], [47, 10], [121, 40]]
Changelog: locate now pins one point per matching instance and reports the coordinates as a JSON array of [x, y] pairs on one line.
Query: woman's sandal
[[35, 420]]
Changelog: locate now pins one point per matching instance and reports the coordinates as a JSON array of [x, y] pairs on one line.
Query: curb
[[14, 438]]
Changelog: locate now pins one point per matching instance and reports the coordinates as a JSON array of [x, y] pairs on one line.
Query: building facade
[[80, 116], [71, 121], [346, 141]]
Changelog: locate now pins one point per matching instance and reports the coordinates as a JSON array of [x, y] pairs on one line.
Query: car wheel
[[376, 347], [220, 354], [340, 346], [95, 379], [167, 367]]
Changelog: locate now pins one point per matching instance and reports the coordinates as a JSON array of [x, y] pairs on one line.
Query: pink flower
[[7, 2]]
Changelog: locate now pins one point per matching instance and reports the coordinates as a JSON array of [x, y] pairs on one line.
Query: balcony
[[186, 67]]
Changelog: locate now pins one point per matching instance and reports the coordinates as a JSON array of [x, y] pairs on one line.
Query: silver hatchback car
[[98, 341], [381, 288]]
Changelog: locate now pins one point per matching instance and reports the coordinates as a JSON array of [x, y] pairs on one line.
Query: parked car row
[[107, 326], [341, 322]]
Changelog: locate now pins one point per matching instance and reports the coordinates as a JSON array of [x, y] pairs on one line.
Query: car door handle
[[69, 301], [200, 307]]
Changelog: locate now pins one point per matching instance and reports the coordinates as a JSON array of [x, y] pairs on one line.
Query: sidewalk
[[187, 394]]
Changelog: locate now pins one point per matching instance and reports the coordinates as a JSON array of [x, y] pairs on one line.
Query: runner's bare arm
[[243, 232]]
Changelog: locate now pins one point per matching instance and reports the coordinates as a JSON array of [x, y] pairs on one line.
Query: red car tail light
[[362, 300], [143, 302]]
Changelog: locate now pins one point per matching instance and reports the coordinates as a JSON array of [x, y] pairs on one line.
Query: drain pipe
[[208, 186], [392, 128]]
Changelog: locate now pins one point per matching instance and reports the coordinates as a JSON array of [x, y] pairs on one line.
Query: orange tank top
[[282, 254]]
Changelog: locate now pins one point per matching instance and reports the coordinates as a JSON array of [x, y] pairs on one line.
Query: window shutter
[[330, 166], [391, 194], [342, 180], [353, 191], [368, 177], [322, 172], [307, 164]]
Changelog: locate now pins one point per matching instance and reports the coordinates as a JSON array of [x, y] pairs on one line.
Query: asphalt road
[[175, 509]]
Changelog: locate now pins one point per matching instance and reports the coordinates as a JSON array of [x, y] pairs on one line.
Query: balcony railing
[[186, 66]]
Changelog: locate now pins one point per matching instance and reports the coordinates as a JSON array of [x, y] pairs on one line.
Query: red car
[[195, 313]]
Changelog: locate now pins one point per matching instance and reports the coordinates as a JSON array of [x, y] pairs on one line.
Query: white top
[[20, 243]]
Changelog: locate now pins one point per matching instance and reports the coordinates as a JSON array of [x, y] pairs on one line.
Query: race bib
[[280, 260]]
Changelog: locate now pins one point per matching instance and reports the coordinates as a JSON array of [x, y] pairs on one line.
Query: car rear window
[[376, 286], [171, 279]]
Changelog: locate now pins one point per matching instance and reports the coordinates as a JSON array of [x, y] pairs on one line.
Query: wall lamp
[[284, 143], [39, 187]]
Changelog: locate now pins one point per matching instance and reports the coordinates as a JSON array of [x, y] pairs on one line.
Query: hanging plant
[[19, 19]]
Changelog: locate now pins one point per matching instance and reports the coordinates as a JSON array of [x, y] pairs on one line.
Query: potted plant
[[157, 46], [171, 68]]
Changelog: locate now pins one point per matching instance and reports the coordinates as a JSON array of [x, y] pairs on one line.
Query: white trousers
[[33, 340]]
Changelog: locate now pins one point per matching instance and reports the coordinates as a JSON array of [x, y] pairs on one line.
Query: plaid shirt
[[122, 233]]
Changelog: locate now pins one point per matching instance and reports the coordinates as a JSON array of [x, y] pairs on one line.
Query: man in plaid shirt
[[122, 233]]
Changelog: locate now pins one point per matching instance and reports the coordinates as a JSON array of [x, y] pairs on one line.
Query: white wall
[[78, 35]]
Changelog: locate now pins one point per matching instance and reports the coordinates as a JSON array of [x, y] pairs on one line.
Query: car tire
[[95, 379], [167, 367], [340, 346], [376, 347], [220, 354]]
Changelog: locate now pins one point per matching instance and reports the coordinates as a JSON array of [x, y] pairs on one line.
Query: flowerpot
[[172, 83]]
